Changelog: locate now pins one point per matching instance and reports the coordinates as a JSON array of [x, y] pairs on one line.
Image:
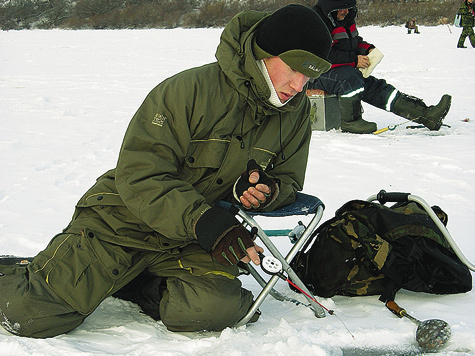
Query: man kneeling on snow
[[149, 230]]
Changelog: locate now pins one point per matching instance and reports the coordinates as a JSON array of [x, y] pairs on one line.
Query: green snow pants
[[77, 271], [466, 32]]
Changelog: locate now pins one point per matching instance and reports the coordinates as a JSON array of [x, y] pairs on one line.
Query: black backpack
[[371, 249]]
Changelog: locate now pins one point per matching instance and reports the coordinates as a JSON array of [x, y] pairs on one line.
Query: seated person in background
[[349, 53]]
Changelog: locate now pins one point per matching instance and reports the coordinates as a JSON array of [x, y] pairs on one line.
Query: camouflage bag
[[371, 249]]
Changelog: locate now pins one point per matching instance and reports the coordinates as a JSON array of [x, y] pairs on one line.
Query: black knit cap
[[297, 35]]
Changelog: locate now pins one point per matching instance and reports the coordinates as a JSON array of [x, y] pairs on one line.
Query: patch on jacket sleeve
[[159, 119]]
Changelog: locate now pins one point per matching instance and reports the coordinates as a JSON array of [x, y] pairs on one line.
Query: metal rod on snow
[[393, 127], [384, 197], [443, 229], [390, 127]]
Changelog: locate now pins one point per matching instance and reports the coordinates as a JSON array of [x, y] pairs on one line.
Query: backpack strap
[[389, 293]]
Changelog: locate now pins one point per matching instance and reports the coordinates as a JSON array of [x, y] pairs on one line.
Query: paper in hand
[[375, 56]]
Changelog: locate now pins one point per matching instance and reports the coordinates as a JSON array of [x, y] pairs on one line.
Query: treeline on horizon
[[139, 14]]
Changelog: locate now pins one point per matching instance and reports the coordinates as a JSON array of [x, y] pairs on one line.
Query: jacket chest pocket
[[206, 153]]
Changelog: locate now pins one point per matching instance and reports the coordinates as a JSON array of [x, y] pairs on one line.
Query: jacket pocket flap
[[109, 199], [206, 153]]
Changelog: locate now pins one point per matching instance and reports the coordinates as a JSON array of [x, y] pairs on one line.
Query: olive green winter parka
[[188, 143]]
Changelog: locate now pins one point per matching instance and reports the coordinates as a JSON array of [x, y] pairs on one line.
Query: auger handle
[[396, 309], [385, 197], [400, 312]]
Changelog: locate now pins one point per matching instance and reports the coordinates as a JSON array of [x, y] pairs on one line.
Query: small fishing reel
[[270, 264]]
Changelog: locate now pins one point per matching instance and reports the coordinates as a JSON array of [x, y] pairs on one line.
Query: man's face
[[341, 14], [287, 82]]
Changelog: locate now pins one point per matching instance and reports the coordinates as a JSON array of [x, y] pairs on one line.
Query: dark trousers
[[345, 80], [466, 32]]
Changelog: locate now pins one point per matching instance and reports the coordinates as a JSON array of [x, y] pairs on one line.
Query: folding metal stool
[[304, 205]]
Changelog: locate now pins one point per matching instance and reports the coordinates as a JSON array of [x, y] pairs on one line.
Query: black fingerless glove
[[220, 233], [242, 184]]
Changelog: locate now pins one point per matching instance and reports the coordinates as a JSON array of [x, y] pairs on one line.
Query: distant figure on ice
[[149, 231], [411, 25], [348, 54], [467, 22]]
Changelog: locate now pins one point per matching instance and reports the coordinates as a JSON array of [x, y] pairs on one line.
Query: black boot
[[414, 109], [146, 290], [351, 116]]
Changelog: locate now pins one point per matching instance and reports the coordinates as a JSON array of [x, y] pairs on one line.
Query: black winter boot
[[351, 116], [414, 109], [146, 290]]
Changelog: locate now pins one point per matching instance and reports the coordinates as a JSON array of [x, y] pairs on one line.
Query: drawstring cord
[[243, 146], [280, 137], [240, 138], [247, 84]]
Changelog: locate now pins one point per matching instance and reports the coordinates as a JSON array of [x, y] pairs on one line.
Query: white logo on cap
[[312, 66]]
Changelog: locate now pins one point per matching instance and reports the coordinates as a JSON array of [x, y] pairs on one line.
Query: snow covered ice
[[66, 98]]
